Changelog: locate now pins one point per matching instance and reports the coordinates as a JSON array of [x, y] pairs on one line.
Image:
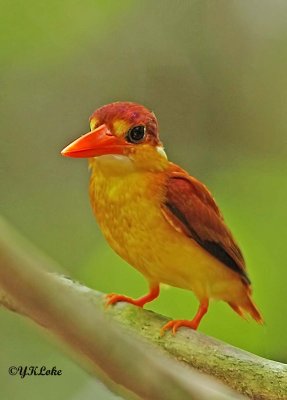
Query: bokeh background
[[214, 72]]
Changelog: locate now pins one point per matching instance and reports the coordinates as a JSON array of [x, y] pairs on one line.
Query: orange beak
[[95, 143]]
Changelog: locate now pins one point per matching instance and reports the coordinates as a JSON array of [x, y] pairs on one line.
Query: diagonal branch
[[75, 314]]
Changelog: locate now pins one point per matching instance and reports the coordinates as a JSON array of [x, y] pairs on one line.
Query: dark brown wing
[[191, 209]]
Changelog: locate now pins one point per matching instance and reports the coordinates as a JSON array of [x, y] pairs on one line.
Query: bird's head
[[123, 129]]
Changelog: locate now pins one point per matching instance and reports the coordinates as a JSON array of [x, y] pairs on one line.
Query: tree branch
[[75, 314], [124, 362]]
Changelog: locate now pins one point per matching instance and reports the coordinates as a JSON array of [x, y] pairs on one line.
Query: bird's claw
[[114, 298], [175, 324]]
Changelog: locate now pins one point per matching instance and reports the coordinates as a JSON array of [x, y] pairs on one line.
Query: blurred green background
[[214, 72]]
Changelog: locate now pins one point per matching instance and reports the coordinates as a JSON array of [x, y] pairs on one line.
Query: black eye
[[136, 134]]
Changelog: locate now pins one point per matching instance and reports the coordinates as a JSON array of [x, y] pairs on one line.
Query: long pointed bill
[[95, 143]]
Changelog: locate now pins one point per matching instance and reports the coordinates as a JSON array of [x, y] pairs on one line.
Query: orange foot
[[113, 298], [177, 323], [140, 302]]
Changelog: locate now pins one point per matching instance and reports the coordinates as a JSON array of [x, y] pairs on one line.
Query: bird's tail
[[248, 307], [252, 310]]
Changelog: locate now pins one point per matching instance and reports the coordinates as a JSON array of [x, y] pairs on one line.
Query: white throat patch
[[161, 151], [114, 163]]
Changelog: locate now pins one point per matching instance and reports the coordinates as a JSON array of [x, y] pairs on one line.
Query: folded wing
[[190, 208]]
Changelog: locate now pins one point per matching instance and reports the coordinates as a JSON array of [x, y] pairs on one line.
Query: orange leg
[[140, 302], [175, 324]]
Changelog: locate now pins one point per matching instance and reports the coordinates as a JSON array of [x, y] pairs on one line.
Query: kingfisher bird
[[157, 217]]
